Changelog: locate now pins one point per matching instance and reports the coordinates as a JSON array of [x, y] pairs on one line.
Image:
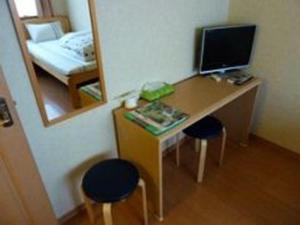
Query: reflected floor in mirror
[[55, 95]]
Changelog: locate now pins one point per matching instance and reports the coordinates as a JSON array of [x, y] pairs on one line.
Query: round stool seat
[[110, 181], [208, 127]]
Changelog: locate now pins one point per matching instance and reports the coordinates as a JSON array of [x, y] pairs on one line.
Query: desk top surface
[[199, 97]]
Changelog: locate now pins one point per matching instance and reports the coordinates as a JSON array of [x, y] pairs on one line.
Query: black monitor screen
[[226, 48]]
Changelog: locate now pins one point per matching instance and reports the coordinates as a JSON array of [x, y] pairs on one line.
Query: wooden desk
[[198, 97]]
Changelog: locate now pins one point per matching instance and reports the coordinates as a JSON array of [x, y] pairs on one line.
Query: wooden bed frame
[[74, 81]]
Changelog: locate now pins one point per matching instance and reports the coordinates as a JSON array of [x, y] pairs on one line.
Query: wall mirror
[[61, 48]]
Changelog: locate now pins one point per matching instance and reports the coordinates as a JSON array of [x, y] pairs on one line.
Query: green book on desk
[[156, 117]]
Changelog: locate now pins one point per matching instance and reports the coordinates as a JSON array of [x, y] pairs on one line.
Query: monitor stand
[[219, 76], [216, 76]]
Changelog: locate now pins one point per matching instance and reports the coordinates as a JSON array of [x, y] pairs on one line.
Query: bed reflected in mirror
[[61, 45]]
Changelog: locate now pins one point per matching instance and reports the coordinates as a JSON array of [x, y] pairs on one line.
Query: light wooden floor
[[258, 185], [55, 95]]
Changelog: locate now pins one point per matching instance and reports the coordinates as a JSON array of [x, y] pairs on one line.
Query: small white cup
[[131, 102]]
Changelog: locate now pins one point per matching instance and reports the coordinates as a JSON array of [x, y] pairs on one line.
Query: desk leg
[[237, 117], [143, 149]]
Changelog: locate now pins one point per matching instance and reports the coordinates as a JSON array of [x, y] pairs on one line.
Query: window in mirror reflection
[[27, 8], [62, 50]]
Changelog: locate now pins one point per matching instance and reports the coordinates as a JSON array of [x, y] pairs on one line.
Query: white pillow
[[45, 31]]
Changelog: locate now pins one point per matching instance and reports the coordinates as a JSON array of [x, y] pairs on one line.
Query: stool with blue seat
[[108, 182], [203, 130]]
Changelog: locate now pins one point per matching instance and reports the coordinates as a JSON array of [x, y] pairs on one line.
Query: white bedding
[[59, 59], [80, 42]]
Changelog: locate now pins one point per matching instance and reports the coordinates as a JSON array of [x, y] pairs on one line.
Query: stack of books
[[156, 117]]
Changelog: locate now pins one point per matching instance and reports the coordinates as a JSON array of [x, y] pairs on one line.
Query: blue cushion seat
[[206, 128], [110, 181]]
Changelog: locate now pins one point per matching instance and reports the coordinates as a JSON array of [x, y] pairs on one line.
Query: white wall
[[141, 41], [77, 12], [276, 60]]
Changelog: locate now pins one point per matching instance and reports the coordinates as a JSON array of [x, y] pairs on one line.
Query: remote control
[[239, 78], [242, 81]]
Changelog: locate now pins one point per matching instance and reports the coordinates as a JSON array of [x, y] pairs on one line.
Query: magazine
[[157, 117], [92, 90]]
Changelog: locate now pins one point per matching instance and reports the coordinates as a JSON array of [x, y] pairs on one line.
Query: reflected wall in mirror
[[60, 45]]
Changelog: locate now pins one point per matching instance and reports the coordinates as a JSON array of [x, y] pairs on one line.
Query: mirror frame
[[32, 75]]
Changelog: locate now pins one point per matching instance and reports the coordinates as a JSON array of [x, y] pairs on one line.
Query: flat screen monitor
[[226, 48]]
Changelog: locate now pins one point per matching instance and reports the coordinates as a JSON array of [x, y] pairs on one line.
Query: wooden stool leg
[[177, 150], [89, 208], [197, 145], [202, 157], [224, 137], [145, 209], [107, 214]]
